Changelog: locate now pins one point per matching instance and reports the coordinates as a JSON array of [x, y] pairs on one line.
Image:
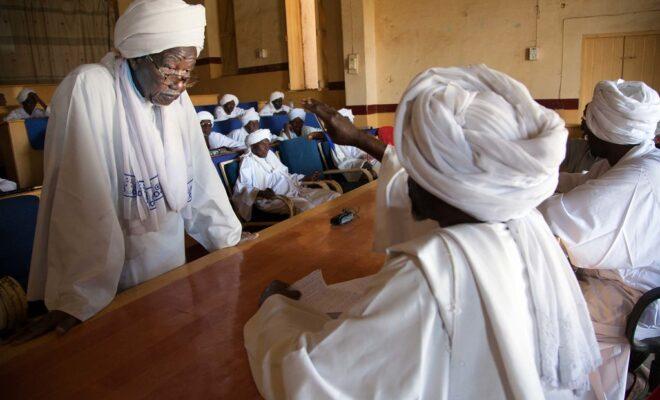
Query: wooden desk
[[181, 335]]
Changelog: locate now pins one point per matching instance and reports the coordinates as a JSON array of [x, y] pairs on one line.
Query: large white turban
[[257, 136], [276, 95], [348, 113], [297, 113], [23, 95], [249, 115], [623, 112], [475, 138], [151, 26], [227, 98], [205, 116]]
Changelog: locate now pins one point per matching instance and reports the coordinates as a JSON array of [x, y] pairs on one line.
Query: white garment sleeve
[[570, 180], [17, 113], [385, 346], [217, 140], [245, 194], [213, 222]]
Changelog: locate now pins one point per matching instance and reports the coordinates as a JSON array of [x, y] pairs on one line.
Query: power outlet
[[352, 63], [532, 53]]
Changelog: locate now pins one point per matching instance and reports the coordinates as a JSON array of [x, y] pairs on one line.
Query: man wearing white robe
[[228, 102], [28, 99], [296, 126], [262, 175], [275, 105], [250, 120], [486, 307], [607, 219], [115, 203], [216, 140], [350, 157]]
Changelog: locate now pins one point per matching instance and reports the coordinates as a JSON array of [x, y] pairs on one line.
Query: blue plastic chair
[[274, 123], [210, 108], [36, 131], [248, 105], [301, 156], [18, 221], [227, 125]]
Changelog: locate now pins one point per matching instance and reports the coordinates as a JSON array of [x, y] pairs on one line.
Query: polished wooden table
[[181, 335]]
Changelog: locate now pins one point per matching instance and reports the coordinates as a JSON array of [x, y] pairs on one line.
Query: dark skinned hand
[[56, 320], [313, 177], [267, 194], [279, 287]]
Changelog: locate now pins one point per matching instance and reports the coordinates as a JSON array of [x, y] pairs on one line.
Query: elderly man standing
[[126, 170], [487, 293], [28, 99], [608, 219]]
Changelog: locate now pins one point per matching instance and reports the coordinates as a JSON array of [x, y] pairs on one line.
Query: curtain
[[41, 41]]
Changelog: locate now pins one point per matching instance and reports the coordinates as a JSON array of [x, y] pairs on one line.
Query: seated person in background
[[609, 219], [7, 186], [28, 99], [216, 140], [262, 176], [350, 157], [228, 108], [275, 106], [578, 157], [250, 121], [487, 294], [296, 126]]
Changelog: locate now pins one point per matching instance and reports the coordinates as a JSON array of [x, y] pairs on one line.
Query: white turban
[[23, 94], [257, 136], [151, 26], [623, 112], [297, 113], [476, 139], [348, 113], [205, 116], [227, 98], [276, 95], [249, 115]]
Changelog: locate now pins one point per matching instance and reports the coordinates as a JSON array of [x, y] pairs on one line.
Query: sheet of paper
[[330, 300]]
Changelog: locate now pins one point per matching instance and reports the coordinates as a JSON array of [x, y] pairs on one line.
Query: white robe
[[217, 140], [258, 174], [20, 113], [350, 157], [306, 130], [240, 134], [418, 332], [82, 252], [221, 115], [269, 110], [604, 221], [7, 186]]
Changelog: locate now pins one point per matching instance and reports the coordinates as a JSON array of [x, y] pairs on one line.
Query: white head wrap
[[476, 139], [151, 26], [276, 95], [348, 113], [257, 136], [23, 94], [205, 116], [249, 115], [297, 113], [623, 112], [227, 98]]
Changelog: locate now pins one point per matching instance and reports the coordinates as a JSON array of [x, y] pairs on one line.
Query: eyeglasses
[[172, 76]]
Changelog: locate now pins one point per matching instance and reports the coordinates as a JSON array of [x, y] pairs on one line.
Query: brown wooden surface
[[181, 335]]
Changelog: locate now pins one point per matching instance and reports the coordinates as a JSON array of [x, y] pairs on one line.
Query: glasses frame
[[174, 77]]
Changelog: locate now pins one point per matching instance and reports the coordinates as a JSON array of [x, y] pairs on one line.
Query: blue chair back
[[248, 105], [227, 125], [231, 173], [18, 221], [326, 152], [274, 123], [36, 131], [221, 159], [311, 120], [301, 156], [372, 131], [210, 108]]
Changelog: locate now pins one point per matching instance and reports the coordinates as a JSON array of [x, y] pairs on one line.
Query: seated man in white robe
[[216, 140], [350, 157], [262, 176], [275, 105], [607, 219], [115, 204], [250, 121], [484, 306], [28, 99], [228, 108], [296, 126]]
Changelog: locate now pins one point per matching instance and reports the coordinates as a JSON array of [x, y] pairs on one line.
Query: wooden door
[[602, 59], [641, 59]]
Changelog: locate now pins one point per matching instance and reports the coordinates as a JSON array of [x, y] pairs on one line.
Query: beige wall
[[260, 24], [414, 35]]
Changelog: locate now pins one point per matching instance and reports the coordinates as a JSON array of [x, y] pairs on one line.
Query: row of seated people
[[229, 107]]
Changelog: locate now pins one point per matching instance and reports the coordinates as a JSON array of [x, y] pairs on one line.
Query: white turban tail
[[348, 113], [476, 139], [205, 116], [624, 112], [151, 26], [249, 115], [257, 136], [297, 113], [276, 95], [23, 94], [227, 98]]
